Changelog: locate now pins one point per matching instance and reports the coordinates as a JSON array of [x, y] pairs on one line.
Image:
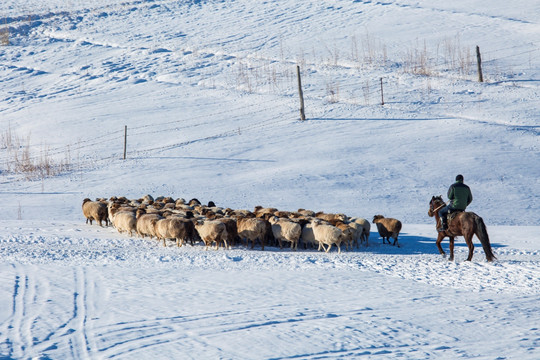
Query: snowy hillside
[[208, 93]]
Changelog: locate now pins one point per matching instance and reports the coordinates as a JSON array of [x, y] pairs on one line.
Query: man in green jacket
[[460, 197]]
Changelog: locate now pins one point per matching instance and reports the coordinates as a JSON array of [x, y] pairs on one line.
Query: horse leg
[[468, 240], [440, 238], [451, 249]]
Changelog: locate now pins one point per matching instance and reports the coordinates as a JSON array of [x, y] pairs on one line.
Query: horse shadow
[[410, 244]]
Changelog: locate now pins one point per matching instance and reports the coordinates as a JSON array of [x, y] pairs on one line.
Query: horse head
[[436, 202]]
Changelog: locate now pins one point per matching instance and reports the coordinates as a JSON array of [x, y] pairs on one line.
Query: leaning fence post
[[479, 62], [301, 94], [125, 141]]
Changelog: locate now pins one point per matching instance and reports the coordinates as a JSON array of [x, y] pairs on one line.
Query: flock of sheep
[[167, 219]]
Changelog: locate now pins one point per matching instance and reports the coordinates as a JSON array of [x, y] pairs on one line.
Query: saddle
[[452, 214]]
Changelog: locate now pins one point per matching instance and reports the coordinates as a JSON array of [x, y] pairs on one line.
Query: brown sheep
[[232, 230], [95, 210], [331, 217], [348, 234], [388, 228], [260, 212]]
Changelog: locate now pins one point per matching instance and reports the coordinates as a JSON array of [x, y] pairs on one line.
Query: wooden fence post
[[301, 94], [382, 94], [479, 61], [125, 141]]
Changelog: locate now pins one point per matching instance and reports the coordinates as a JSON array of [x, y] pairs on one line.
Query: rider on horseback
[[460, 197]]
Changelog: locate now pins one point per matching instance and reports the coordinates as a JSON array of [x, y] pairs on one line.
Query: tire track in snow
[[27, 305], [142, 335], [447, 11], [76, 331]]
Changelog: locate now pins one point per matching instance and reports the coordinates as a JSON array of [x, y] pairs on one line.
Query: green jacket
[[460, 195]]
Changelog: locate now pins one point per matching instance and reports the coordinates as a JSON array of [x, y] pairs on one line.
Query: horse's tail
[[481, 233]]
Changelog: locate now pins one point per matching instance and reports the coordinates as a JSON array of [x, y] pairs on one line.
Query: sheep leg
[[329, 247], [339, 248]]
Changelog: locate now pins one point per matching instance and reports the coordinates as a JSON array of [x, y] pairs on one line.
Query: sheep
[[95, 210], [146, 199], [232, 230], [174, 228], [348, 233], [327, 234], [388, 228], [365, 229], [239, 213], [308, 237], [146, 222], [212, 231], [330, 217], [356, 233], [286, 230], [251, 229], [261, 212], [305, 212], [123, 218]]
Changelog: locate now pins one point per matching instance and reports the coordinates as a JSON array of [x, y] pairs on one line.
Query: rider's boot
[[443, 226]]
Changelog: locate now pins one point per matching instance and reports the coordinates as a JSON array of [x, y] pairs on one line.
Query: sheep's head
[[376, 218], [273, 220]]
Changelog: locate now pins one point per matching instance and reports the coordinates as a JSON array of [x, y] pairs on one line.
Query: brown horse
[[464, 224]]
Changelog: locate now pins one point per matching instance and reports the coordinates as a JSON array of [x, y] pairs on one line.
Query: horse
[[464, 224]]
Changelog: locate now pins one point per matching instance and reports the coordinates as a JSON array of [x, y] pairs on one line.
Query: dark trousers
[[443, 213]]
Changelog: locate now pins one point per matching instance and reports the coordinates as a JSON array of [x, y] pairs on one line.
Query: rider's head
[[459, 178]]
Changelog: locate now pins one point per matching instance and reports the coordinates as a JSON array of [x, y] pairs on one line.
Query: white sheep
[[146, 223], [251, 229], [286, 230], [125, 221], [212, 231], [327, 234], [308, 237], [366, 228], [174, 228]]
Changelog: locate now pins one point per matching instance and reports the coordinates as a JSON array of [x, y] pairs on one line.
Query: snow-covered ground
[[208, 92]]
